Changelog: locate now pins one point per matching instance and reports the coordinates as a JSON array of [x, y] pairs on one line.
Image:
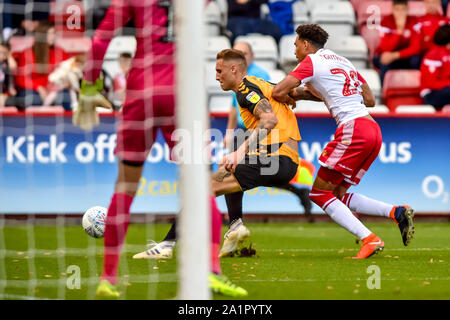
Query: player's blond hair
[[233, 54]]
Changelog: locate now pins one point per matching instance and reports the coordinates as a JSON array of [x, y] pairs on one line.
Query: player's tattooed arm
[[221, 174], [267, 121], [302, 93]]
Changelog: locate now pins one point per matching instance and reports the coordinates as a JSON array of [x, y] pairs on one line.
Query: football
[[94, 220]]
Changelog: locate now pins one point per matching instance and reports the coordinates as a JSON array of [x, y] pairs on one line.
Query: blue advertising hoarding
[[47, 166]]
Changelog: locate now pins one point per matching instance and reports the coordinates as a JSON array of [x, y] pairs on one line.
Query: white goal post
[[194, 230]]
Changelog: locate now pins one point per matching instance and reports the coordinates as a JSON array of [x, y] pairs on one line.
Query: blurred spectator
[[120, 80], [435, 70], [7, 68], [429, 23], [234, 117], [64, 82], [34, 65], [281, 14], [21, 17], [244, 17], [398, 48]]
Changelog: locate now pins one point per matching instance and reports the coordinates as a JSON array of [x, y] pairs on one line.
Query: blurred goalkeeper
[[149, 105]]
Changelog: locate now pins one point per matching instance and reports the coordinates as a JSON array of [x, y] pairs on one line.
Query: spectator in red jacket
[[429, 23], [35, 64], [398, 48], [435, 70], [7, 68]]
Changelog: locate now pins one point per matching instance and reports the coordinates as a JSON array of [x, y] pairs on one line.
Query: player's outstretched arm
[[283, 88], [304, 93], [368, 97]]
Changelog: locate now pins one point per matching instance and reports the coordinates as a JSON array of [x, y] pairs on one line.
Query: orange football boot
[[371, 245]]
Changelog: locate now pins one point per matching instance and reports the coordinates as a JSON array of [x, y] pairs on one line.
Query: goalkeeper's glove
[[85, 115]]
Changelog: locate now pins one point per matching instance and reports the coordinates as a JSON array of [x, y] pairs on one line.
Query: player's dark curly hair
[[442, 35], [312, 33], [403, 2]]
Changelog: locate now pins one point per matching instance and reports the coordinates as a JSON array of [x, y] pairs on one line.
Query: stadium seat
[[220, 103], [416, 8], [305, 106], [40, 109], [300, 13], [288, 60], [8, 110], [355, 4], [19, 44], [379, 108], [336, 17], [401, 87], [276, 75], [215, 45], [120, 44], [104, 110], [223, 6], [354, 48], [369, 10], [264, 48], [425, 108], [312, 3], [212, 85], [373, 80], [264, 11], [69, 18], [372, 38], [111, 67], [213, 19], [74, 45]]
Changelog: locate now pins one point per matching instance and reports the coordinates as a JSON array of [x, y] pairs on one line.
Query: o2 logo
[[433, 188]]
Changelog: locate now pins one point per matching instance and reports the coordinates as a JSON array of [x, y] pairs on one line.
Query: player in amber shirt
[[269, 156]]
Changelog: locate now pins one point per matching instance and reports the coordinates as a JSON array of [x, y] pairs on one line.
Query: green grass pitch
[[293, 261]]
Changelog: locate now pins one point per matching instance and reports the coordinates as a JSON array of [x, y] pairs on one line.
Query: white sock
[[345, 218], [361, 204]]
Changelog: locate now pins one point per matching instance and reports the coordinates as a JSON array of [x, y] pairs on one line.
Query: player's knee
[[321, 197]]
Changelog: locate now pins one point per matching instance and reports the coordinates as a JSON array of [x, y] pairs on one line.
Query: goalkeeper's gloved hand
[[85, 115]]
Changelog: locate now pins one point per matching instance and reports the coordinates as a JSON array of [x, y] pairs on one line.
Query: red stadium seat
[[401, 87], [69, 18], [19, 44], [42, 109], [372, 38], [73, 46], [368, 11], [8, 110]]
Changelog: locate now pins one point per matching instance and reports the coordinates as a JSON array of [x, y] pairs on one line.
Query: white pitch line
[[4, 296], [40, 253], [350, 249], [338, 280], [171, 278]]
